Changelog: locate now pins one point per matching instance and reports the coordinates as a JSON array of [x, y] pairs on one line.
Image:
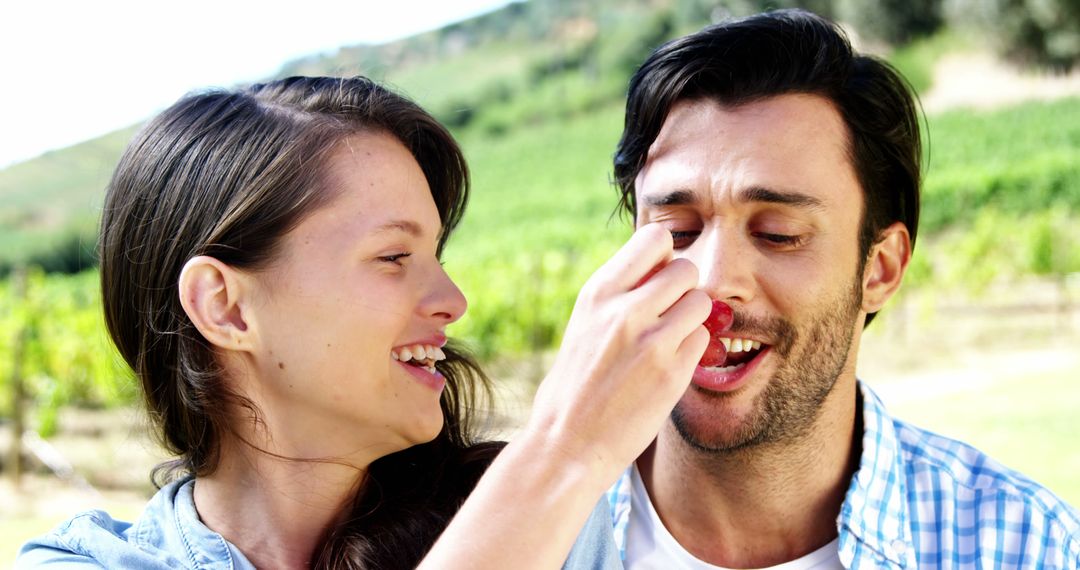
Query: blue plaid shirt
[[920, 500]]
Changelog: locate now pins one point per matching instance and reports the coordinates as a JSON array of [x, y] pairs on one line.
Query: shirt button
[[899, 547]]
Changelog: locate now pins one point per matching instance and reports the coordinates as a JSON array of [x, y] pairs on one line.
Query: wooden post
[[1064, 304], [535, 310], [18, 392]]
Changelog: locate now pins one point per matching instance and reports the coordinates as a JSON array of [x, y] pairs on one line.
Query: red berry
[[715, 355], [719, 321], [720, 318]]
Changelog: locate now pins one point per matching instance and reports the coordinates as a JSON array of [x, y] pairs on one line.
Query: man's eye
[[780, 239], [684, 239]]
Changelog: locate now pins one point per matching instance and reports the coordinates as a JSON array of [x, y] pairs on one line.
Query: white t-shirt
[[649, 545]]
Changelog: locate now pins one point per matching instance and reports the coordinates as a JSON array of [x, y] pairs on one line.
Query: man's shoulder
[[942, 469]]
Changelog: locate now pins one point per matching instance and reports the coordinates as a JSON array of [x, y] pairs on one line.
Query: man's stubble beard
[[813, 359]]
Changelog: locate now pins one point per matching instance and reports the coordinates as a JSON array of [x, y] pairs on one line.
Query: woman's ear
[[213, 295], [885, 267]]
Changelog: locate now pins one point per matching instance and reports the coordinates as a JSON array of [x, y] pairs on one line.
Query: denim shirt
[[169, 535]]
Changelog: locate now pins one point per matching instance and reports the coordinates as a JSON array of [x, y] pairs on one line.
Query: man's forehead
[[707, 120], [791, 142]]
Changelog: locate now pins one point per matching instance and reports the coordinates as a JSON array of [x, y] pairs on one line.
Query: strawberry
[[719, 320]]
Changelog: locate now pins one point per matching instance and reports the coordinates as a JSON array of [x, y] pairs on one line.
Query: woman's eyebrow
[[407, 226]]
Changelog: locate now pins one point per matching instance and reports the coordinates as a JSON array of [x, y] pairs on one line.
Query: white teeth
[[740, 344], [419, 353], [726, 369]]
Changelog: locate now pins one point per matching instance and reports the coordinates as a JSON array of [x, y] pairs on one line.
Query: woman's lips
[[433, 380]]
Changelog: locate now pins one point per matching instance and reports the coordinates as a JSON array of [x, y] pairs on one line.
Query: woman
[[270, 270]]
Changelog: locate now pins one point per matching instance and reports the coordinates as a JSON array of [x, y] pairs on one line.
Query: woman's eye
[[683, 239], [395, 258]]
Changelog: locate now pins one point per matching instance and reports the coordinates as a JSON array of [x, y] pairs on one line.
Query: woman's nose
[[445, 300]]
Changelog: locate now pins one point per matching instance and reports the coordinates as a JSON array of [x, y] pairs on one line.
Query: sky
[[71, 70]]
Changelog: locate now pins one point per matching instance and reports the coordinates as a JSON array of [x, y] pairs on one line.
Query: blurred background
[[983, 343]]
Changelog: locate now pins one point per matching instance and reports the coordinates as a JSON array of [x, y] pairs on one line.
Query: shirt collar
[[873, 521], [171, 523]]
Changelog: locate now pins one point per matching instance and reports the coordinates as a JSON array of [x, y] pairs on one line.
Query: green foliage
[[1051, 240], [993, 244], [536, 102], [915, 60], [538, 226], [1019, 160], [1045, 32], [1001, 197], [68, 356]]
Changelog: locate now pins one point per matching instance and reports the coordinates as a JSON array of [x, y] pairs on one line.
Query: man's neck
[[762, 506]]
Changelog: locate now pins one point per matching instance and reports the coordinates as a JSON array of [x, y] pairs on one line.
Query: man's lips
[[731, 377]]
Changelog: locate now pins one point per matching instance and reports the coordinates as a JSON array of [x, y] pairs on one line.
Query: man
[[787, 169]]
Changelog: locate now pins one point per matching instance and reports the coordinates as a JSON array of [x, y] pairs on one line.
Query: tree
[[892, 21], [1043, 32]]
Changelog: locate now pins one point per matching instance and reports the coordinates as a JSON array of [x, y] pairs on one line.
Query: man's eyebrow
[[674, 198], [785, 197], [408, 226], [752, 194]]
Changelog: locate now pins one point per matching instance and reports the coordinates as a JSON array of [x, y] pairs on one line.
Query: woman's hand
[[627, 356]]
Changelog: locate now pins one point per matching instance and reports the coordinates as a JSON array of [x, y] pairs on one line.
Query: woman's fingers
[[664, 288], [685, 316], [649, 247], [680, 335]]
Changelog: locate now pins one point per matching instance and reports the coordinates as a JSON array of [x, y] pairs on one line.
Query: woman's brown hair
[[227, 174]]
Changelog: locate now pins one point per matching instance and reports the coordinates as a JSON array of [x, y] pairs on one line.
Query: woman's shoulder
[[90, 539], [93, 539]]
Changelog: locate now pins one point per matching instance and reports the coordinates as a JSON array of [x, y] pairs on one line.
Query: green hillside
[[534, 93], [515, 68], [51, 204], [535, 77]]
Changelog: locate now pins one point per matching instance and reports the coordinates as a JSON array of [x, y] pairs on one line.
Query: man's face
[[763, 198]]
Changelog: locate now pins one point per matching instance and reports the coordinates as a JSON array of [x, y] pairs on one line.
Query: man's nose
[[725, 261]]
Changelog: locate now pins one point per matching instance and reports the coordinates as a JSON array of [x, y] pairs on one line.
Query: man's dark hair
[[775, 53]]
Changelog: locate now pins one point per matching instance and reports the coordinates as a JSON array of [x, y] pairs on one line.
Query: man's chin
[[717, 424]]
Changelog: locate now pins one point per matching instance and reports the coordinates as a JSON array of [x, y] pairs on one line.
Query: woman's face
[[355, 290]]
